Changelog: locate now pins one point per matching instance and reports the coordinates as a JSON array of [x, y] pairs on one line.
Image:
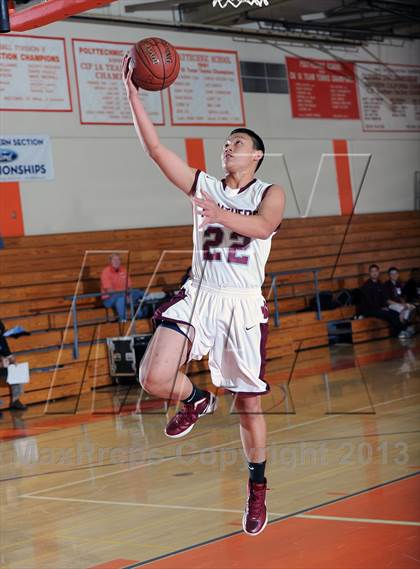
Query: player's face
[[238, 153]]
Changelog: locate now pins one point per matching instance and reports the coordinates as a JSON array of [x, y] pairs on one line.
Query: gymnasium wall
[[104, 181]]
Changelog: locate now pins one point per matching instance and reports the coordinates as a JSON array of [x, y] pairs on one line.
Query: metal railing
[[274, 287], [76, 297], [128, 293]]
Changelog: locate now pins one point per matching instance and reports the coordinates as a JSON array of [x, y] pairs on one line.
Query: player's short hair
[[373, 266], [256, 139], [392, 269]]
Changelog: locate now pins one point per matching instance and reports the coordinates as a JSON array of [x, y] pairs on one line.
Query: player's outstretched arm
[[174, 168], [260, 226]]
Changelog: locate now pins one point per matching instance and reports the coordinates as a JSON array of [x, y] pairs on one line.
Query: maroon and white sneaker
[[255, 516], [183, 422]]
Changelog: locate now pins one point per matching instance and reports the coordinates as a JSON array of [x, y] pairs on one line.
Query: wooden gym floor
[[86, 484]]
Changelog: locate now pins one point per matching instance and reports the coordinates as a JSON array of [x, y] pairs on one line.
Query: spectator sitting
[[114, 281], [7, 358], [373, 303], [411, 289], [395, 300]]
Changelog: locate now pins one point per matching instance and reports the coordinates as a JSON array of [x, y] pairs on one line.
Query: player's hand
[[210, 211], [127, 73]]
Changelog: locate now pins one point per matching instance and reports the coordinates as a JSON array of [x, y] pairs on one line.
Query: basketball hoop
[[237, 3], [47, 11]]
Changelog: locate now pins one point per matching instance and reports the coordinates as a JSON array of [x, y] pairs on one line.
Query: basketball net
[[236, 3]]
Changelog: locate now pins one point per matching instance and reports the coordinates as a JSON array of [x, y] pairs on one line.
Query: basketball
[[155, 64]]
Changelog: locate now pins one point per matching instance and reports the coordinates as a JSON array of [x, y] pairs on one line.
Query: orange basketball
[[155, 64]]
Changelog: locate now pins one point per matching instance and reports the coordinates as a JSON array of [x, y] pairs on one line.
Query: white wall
[[103, 180]]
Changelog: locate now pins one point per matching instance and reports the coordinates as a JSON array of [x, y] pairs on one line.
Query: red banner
[[323, 89]]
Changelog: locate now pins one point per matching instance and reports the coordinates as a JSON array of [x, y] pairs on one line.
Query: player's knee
[[145, 375], [142, 378], [146, 379], [151, 376], [249, 407]]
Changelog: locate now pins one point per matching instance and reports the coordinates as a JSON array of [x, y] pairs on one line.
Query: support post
[[276, 301], [75, 329], [318, 303]]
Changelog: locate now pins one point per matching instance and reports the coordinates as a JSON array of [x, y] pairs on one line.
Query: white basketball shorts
[[228, 324]]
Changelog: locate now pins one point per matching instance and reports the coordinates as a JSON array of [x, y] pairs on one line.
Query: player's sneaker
[[255, 516], [184, 420]]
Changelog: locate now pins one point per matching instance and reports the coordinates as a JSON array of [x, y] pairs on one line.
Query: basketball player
[[220, 311]]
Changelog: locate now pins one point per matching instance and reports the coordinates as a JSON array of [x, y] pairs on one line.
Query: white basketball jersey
[[221, 256]]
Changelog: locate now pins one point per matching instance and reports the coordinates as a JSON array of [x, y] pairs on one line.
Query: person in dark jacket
[[374, 303], [7, 358], [411, 289]]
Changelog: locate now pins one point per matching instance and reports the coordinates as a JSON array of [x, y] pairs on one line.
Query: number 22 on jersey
[[213, 239]]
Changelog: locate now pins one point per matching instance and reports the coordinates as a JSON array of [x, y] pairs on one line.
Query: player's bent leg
[[159, 372], [159, 375], [253, 431]]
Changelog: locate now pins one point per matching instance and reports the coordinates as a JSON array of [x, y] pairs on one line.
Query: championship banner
[[208, 90], [33, 74], [102, 97], [25, 157], [389, 97], [324, 89]]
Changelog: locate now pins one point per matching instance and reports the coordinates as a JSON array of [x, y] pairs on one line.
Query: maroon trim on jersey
[[194, 186], [265, 191], [240, 189], [263, 196], [263, 349], [263, 341], [246, 394], [158, 315]]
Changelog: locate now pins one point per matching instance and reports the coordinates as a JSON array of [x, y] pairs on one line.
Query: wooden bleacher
[[38, 272]]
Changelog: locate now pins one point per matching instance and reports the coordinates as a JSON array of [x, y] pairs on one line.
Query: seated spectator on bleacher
[[396, 302], [374, 303], [114, 281], [411, 289], [6, 359]]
